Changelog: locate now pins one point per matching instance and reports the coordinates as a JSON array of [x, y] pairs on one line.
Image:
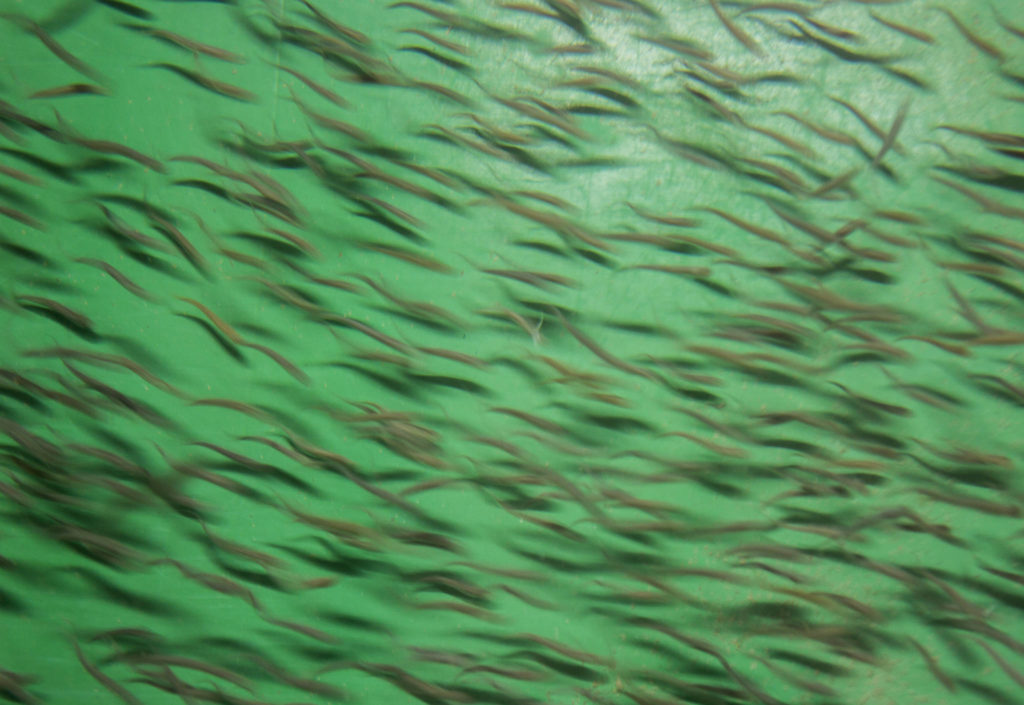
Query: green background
[[687, 334]]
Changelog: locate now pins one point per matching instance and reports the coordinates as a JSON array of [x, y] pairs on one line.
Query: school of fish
[[468, 351]]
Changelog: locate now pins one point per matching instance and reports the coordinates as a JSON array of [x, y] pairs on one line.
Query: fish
[[460, 607], [987, 204], [601, 353], [319, 89], [106, 358], [109, 147], [213, 581], [341, 30], [117, 276], [190, 45], [21, 217], [50, 43], [838, 50], [677, 45], [865, 120], [223, 326], [306, 630], [19, 175], [1009, 670], [208, 82], [676, 221], [416, 687], [533, 330], [689, 272], [537, 279], [933, 666], [104, 680], [981, 44], [123, 229], [562, 649], [189, 663], [735, 30], [970, 502], [890, 137], [180, 241], [68, 315], [284, 363], [911, 32], [447, 44]]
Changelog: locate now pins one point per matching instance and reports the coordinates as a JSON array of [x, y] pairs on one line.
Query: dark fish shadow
[[403, 387], [11, 603], [54, 169], [273, 245], [24, 398], [273, 472], [458, 383], [127, 9], [29, 255], [544, 247], [64, 322], [440, 58], [566, 668], [207, 186], [127, 598]]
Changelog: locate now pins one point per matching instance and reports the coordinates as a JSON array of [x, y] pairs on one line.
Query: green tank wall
[[564, 351]]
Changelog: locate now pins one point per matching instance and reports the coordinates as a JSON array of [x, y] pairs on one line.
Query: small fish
[[52, 44], [890, 137], [678, 45], [933, 666], [533, 330], [223, 326], [314, 86], [106, 681], [338, 28], [537, 279], [447, 44], [989, 205], [188, 44], [108, 147], [864, 119], [68, 315], [981, 44], [735, 30], [213, 581], [874, 403], [312, 632], [188, 663], [339, 126], [21, 217], [122, 228], [19, 175], [911, 32], [462, 608], [674, 220], [689, 272], [754, 229], [838, 50], [208, 82], [602, 353], [183, 243], [563, 649], [1009, 670]]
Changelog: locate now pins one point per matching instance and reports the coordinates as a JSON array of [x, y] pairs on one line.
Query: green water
[[785, 470]]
